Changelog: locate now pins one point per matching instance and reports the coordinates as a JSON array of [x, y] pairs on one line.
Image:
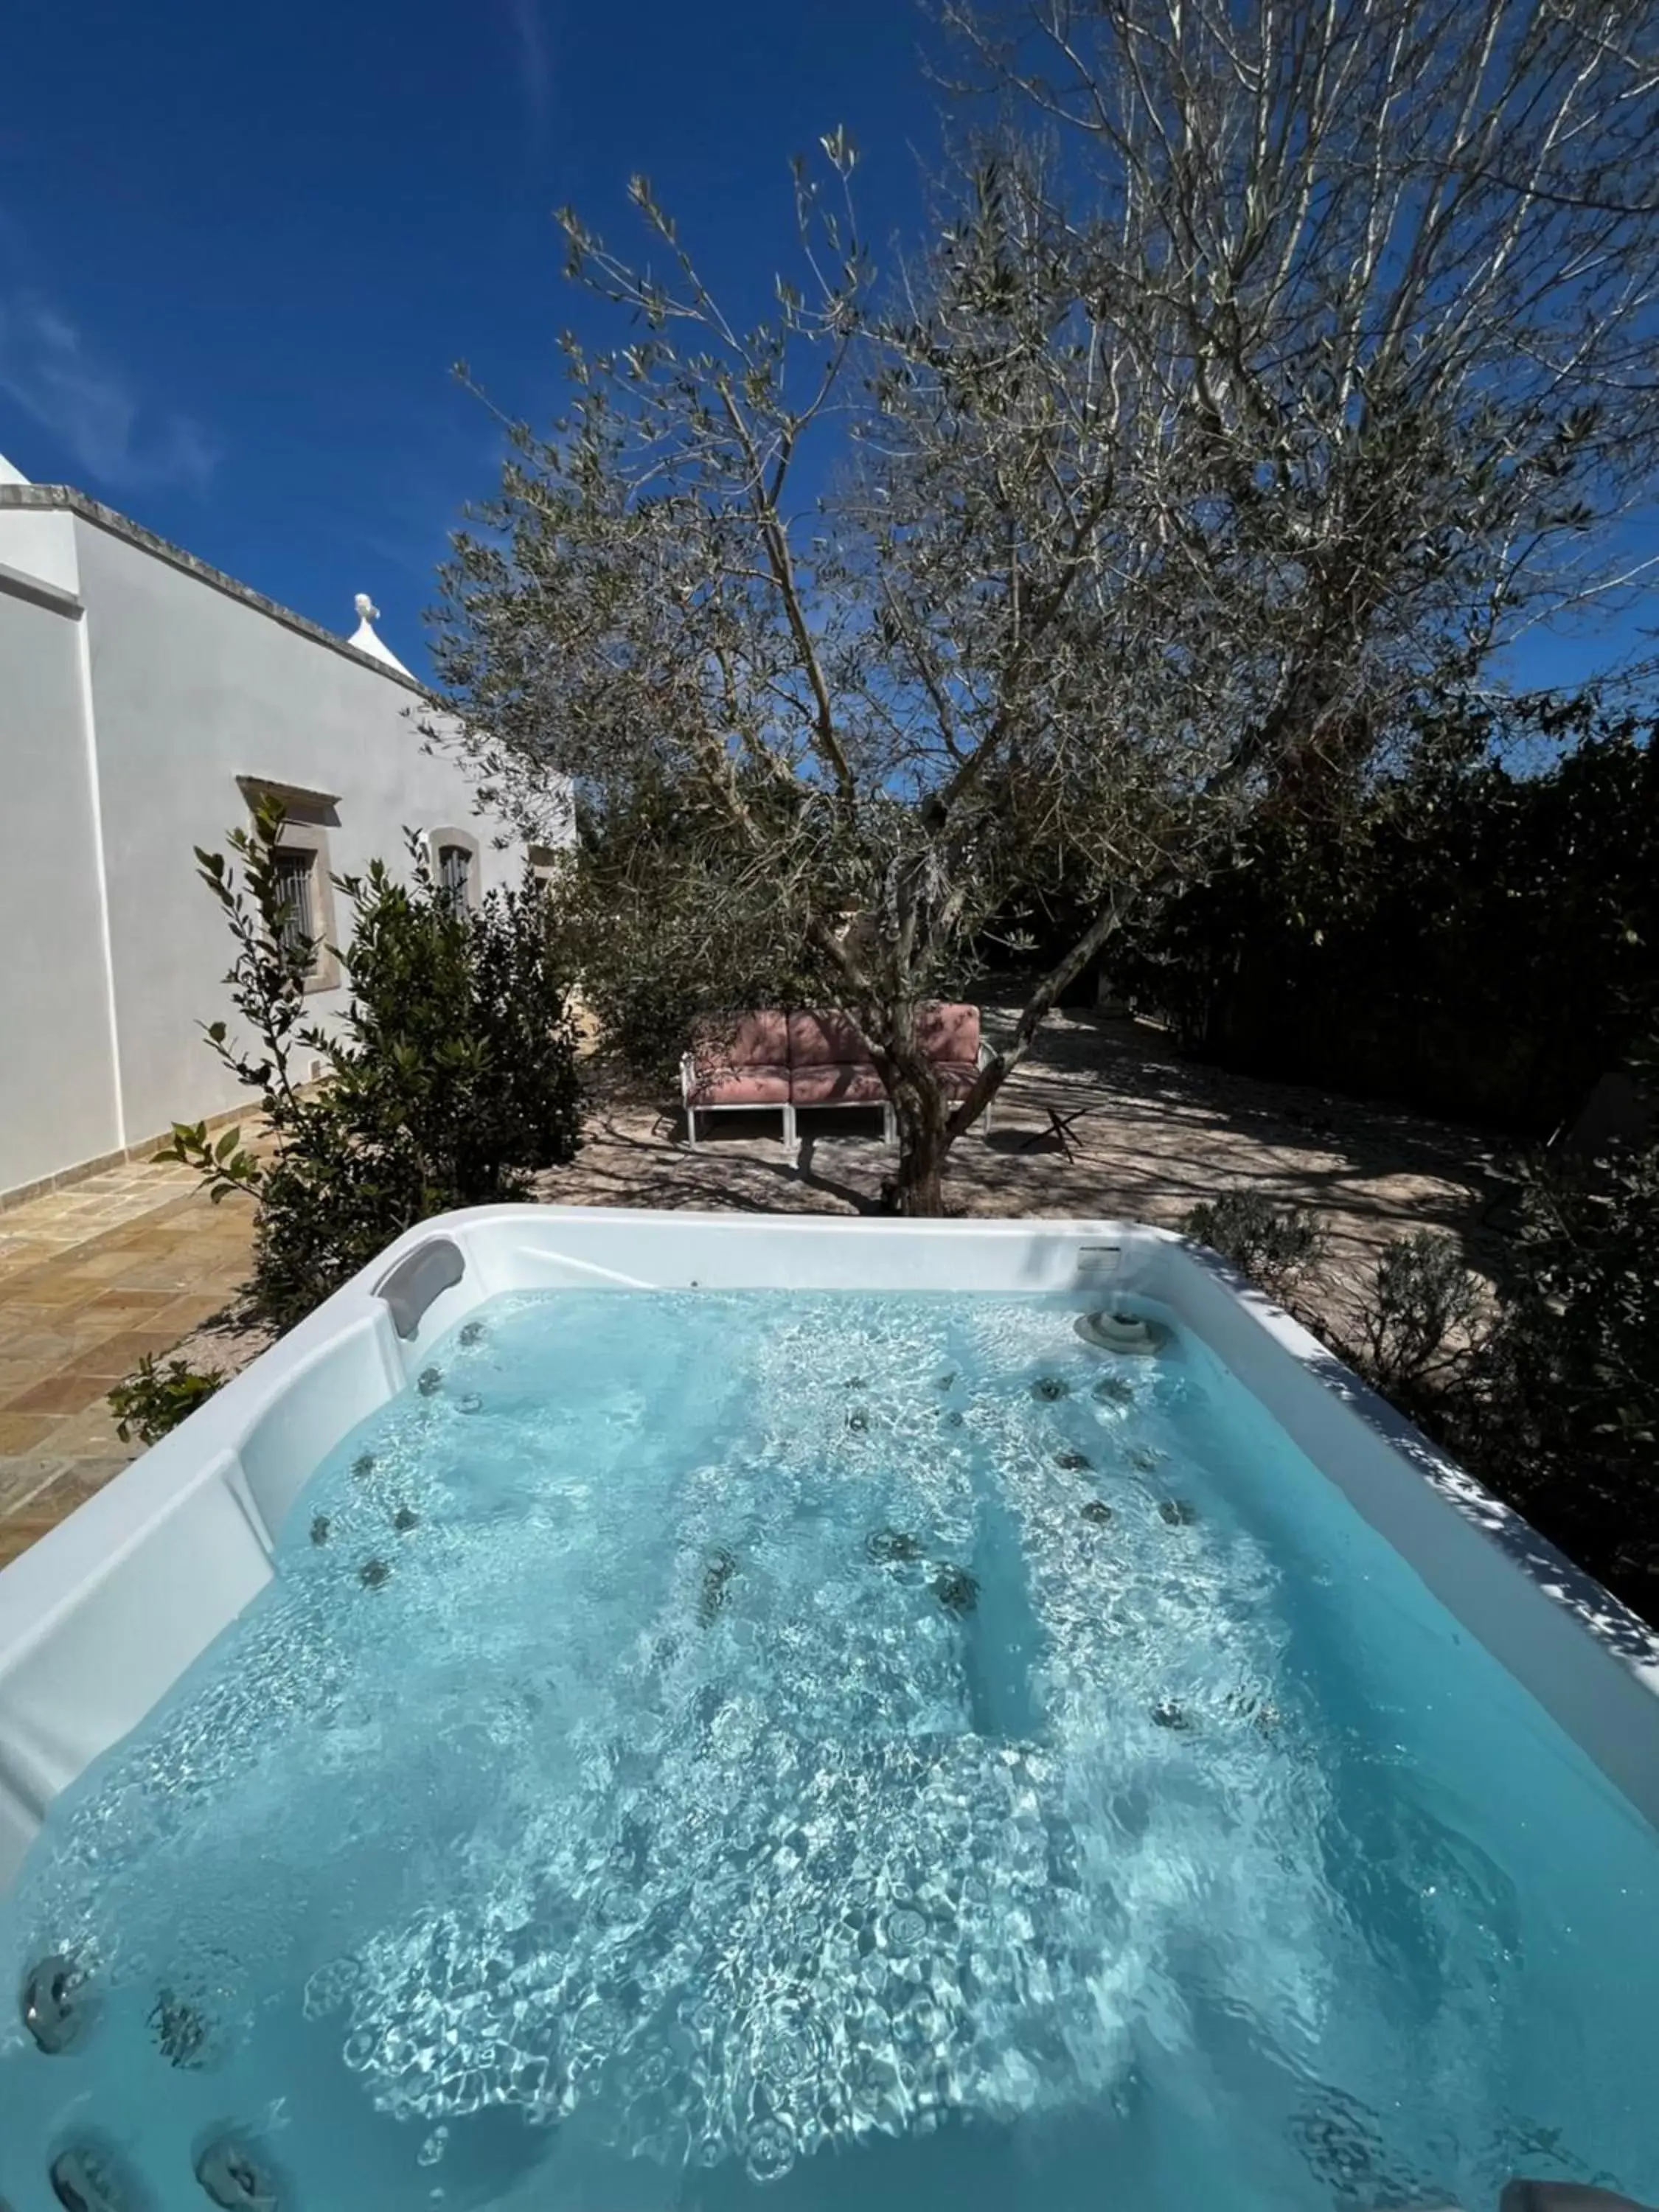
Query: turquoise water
[[826, 1752]]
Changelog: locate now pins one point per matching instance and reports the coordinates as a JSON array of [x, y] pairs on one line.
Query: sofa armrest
[[688, 1074], [984, 1056]]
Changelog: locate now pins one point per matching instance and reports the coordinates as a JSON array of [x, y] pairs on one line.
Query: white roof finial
[[363, 636]]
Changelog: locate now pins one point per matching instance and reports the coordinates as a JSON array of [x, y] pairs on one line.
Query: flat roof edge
[[66, 499]]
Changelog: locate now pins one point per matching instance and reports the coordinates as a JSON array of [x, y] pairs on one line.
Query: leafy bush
[[448, 1081], [1371, 939], [664, 926], [1273, 1245], [1415, 1324], [1552, 1400], [1561, 1410], [154, 1399]]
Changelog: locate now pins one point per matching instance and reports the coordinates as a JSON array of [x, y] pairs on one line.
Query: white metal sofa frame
[[889, 1117]]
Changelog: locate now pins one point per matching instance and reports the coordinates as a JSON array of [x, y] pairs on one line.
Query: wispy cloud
[[47, 370], [535, 67]]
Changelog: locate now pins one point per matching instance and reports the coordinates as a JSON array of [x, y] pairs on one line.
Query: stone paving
[[135, 1261], [93, 1277]]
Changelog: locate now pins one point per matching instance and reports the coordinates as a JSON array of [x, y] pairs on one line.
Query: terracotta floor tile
[[92, 1434], [182, 1314], [117, 1355], [59, 1394], [71, 1487], [20, 1480], [55, 1289], [17, 1375], [20, 1433], [126, 1300], [54, 1347], [105, 1268]]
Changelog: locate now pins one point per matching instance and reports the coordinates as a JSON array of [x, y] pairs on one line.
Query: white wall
[[191, 687], [56, 1076]]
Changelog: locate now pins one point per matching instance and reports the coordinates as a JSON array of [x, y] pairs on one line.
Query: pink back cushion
[[826, 1040], [948, 1033], [756, 1039]]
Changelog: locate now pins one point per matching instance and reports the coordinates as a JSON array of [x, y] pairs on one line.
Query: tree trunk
[[918, 1186]]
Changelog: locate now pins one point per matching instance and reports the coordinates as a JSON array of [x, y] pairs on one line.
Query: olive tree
[[1290, 365]]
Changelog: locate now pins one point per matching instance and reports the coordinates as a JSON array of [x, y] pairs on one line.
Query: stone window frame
[[307, 817], [440, 840]]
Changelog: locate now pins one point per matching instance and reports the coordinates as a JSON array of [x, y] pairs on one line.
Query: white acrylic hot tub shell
[[99, 1617]]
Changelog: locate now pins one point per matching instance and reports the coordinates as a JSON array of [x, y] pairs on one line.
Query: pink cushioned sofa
[[740, 1061]]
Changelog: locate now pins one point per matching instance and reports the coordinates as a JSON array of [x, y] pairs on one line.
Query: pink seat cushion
[[854, 1083], [948, 1033], [826, 1040], [740, 1086], [956, 1076]]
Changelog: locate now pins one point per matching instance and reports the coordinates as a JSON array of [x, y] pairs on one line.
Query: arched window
[[454, 857]]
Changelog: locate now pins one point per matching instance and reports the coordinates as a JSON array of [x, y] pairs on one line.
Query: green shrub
[[1553, 1398], [1561, 1411], [1273, 1245], [1414, 1327], [449, 1080], [154, 1399]]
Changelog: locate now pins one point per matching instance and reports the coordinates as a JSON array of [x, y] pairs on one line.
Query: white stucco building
[[145, 700]]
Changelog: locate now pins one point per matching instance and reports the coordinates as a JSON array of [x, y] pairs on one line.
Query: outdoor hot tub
[[622, 1710]]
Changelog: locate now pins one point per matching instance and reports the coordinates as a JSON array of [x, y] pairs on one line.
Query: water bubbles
[[904, 1930], [695, 1817], [648, 2071], [331, 1987], [600, 2025], [770, 2151], [717, 1575], [889, 1548], [956, 1590], [180, 2030]]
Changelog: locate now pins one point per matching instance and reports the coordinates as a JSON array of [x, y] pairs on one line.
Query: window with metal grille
[[294, 881], [455, 876]]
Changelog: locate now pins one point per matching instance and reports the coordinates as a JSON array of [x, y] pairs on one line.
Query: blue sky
[[240, 249]]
